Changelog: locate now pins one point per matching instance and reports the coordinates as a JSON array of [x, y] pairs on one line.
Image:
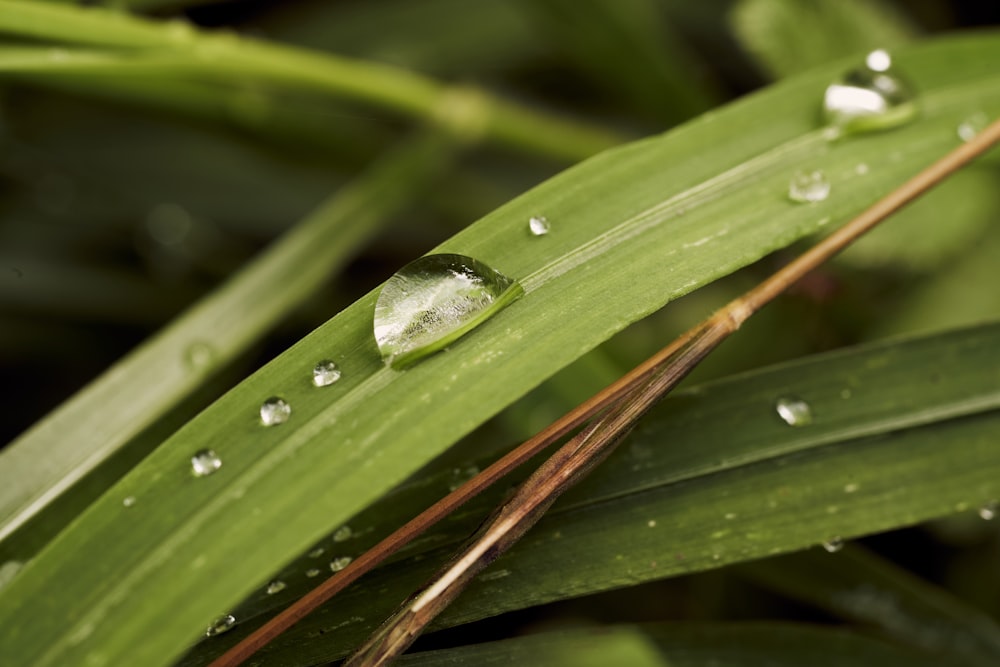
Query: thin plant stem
[[689, 348], [575, 459]]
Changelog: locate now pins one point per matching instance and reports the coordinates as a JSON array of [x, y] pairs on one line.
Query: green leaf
[[680, 645], [791, 36], [631, 229]]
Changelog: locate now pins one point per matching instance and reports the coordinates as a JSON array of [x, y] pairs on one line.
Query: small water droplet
[[651, 523], [973, 125], [342, 534], [312, 572], [205, 462], [275, 410], [199, 355], [538, 225], [338, 564], [433, 301], [807, 187], [851, 487], [861, 169], [317, 552], [988, 512], [325, 373], [834, 544], [128, 501], [872, 97], [793, 411], [276, 586], [221, 624]]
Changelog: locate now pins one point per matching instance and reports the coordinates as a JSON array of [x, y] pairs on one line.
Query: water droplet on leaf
[[316, 553], [538, 225], [128, 501], [973, 125], [276, 586], [988, 512], [433, 301], [222, 624], [205, 462], [338, 564], [807, 187], [872, 97], [199, 355], [275, 410], [793, 411], [312, 572], [325, 373], [834, 544], [343, 533]]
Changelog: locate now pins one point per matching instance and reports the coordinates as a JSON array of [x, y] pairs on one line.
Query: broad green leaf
[[682, 645], [902, 432], [791, 36], [631, 229], [862, 587]]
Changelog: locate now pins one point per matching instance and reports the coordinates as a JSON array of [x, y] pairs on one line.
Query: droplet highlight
[[834, 544], [342, 534], [793, 411], [971, 126], [199, 355], [325, 373], [869, 98], [312, 572], [435, 300], [128, 501], [274, 411], [220, 625], [317, 552], [988, 512], [538, 225], [338, 564], [205, 462], [276, 587], [808, 187]]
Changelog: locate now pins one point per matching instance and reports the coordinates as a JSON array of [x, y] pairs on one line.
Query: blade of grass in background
[[644, 223], [165, 369]]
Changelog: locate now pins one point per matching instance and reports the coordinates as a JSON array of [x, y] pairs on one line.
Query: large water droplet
[[221, 624], [872, 97], [433, 301], [807, 187], [342, 534], [325, 373], [276, 586], [205, 462], [793, 411], [275, 410], [538, 225], [973, 125], [338, 564], [834, 544]]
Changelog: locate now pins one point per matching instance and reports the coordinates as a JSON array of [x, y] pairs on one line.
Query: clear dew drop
[[325, 373], [276, 586], [793, 411], [342, 534], [538, 225], [275, 410], [128, 501], [988, 512], [871, 97], [312, 572], [338, 564], [973, 125], [220, 625], [317, 552], [433, 301], [807, 187], [205, 462], [834, 544]]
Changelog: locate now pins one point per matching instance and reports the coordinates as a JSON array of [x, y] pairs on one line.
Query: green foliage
[[188, 149]]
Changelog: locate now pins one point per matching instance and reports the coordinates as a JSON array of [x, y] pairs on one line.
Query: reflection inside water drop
[[793, 411], [205, 462], [338, 564], [276, 586], [834, 544], [807, 187], [433, 301], [222, 624], [538, 225], [325, 373], [275, 410], [872, 97], [342, 534]]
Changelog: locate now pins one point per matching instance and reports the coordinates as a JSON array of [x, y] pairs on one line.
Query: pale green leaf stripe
[[171, 45], [714, 476], [680, 645], [860, 586], [83, 432], [632, 228]]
